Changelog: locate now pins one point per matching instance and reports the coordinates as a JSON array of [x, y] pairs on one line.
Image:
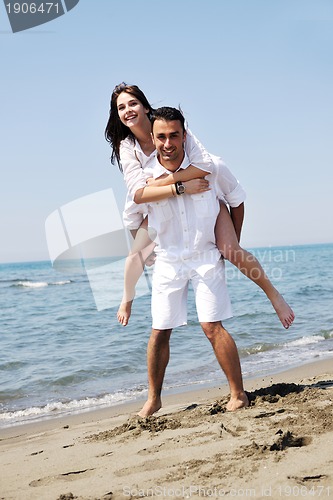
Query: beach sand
[[279, 447]]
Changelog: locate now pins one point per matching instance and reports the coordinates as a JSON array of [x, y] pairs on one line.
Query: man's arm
[[229, 190], [237, 217]]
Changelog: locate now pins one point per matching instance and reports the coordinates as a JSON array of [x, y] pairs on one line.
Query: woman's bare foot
[[283, 310], [238, 401], [124, 312], [150, 407]]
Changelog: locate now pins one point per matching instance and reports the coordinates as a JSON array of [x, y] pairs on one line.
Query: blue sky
[[254, 78]]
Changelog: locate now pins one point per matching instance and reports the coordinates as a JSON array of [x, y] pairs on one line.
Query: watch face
[[181, 188]]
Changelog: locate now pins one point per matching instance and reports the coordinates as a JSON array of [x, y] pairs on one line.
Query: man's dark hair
[[168, 114]]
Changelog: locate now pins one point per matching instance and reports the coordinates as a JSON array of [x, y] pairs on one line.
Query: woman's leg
[[142, 248], [229, 247]]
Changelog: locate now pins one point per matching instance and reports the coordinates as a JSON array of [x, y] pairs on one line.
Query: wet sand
[[280, 446]]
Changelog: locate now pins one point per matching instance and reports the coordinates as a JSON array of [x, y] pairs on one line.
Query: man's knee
[[212, 329], [161, 336]]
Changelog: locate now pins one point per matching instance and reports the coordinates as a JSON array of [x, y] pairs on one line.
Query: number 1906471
[[32, 8]]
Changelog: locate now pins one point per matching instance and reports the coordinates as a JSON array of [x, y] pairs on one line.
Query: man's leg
[[158, 353], [227, 355]]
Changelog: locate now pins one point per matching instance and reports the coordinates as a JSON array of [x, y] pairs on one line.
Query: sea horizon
[[249, 248]]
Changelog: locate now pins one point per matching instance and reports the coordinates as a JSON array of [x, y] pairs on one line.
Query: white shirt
[[183, 229]]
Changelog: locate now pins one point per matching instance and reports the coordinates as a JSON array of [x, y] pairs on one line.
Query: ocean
[[59, 354]]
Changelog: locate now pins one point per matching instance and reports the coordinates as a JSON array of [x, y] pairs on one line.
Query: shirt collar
[[137, 146], [138, 149], [160, 170]]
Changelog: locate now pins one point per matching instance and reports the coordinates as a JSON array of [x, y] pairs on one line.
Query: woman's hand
[[196, 186], [164, 180]]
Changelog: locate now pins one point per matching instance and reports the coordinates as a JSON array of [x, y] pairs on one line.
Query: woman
[[129, 132]]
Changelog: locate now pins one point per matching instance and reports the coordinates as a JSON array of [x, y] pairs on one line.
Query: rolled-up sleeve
[[227, 185], [133, 174]]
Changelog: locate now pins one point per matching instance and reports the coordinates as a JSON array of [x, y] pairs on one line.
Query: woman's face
[[131, 111]]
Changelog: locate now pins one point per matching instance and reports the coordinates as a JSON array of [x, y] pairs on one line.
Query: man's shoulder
[[217, 161]]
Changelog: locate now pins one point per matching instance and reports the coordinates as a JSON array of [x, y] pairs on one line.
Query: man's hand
[[196, 186], [150, 260]]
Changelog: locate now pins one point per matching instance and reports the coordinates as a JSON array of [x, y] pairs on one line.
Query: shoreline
[[171, 397], [192, 447]]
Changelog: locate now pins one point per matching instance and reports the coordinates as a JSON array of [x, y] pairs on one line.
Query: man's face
[[169, 137]]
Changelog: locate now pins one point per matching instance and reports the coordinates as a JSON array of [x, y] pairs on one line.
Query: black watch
[[180, 188]]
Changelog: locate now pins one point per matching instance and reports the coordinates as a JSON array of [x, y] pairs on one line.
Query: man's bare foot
[[149, 408], [283, 310], [124, 312], [237, 402]]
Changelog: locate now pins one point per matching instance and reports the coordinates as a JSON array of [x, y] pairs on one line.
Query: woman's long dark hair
[[115, 130]]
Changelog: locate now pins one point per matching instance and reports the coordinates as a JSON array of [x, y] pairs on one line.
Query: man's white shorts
[[169, 297]]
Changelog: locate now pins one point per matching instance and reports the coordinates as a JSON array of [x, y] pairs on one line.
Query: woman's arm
[[197, 154], [153, 193], [188, 174], [134, 175], [150, 194]]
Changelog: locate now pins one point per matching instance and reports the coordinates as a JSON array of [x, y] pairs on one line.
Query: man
[[186, 251]]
